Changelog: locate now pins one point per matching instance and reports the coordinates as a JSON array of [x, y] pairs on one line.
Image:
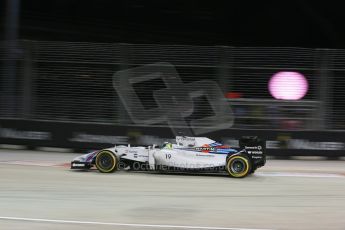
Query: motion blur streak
[[123, 224], [303, 201]]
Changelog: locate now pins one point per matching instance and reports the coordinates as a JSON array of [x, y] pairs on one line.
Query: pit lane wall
[[86, 136]]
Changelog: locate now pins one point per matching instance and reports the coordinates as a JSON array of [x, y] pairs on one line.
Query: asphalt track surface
[[39, 191]]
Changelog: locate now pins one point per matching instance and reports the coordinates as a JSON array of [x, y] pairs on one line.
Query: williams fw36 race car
[[196, 154]]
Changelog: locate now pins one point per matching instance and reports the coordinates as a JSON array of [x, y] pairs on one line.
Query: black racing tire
[[238, 166], [106, 161]]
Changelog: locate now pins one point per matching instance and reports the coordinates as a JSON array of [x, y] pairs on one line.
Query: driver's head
[[167, 145]]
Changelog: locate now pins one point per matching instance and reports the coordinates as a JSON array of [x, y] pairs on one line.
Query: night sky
[[234, 23]]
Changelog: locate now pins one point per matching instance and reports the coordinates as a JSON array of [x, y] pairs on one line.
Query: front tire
[[106, 161], [238, 166]]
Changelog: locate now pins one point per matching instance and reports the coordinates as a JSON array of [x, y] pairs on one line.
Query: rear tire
[[106, 161], [238, 166]]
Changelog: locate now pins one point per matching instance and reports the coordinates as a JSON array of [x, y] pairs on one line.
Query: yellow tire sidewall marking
[[114, 159], [237, 174]]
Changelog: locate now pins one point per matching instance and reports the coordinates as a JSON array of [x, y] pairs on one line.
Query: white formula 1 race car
[[196, 154]]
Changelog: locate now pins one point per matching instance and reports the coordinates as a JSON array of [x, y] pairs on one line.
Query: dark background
[[245, 23], [316, 24]]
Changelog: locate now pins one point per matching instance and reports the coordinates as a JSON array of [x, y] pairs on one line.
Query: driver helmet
[[167, 145]]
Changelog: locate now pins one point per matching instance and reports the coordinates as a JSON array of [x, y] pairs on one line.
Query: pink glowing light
[[288, 86]]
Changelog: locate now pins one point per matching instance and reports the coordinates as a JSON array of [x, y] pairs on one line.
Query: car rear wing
[[255, 149]]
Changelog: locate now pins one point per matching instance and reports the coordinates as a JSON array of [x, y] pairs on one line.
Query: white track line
[[122, 224]]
